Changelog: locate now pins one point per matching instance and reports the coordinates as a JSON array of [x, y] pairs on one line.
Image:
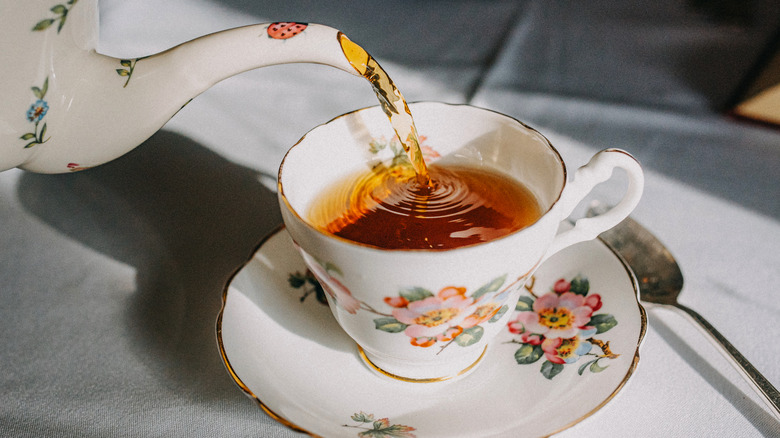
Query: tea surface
[[389, 208], [413, 206]]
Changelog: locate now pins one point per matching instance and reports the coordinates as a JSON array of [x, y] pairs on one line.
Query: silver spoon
[[660, 282]]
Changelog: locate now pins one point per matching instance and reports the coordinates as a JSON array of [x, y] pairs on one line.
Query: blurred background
[[608, 73]]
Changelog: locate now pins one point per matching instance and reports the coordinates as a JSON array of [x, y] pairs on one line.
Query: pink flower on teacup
[[333, 287], [429, 154], [435, 318], [482, 313], [488, 308], [341, 294], [556, 316]]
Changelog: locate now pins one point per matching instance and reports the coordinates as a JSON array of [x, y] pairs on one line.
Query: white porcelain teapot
[[67, 108]]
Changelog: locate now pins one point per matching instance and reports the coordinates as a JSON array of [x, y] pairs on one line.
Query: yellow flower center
[[555, 318], [568, 347], [436, 317], [485, 310]]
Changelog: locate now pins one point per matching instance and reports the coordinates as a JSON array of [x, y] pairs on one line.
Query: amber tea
[[387, 207], [412, 205]]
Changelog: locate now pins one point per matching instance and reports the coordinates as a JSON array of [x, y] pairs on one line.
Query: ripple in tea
[[389, 208], [416, 206]]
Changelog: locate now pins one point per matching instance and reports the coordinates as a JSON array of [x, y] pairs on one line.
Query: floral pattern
[[128, 65], [38, 110], [400, 157], [560, 326], [61, 12], [35, 114], [433, 318], [308, 282], [380, 428], [451, 315], [333, 287]]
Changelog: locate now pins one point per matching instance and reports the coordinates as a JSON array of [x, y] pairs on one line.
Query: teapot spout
[[127, 100], [227, 53]]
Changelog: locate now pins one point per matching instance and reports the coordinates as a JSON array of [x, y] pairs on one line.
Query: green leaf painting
[[550, 370], [528, 353], [470, 336], [389, 325], [127, 70], [603, 322], [415, 294], [493, 286], [35, 115], [524, 304], [61, 14], [371, 427], [580, 285]]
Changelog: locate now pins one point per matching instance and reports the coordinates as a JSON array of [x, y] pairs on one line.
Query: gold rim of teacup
[[286, 202], [374, 367]]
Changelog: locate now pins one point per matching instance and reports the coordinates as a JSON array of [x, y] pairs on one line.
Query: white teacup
[[428, 315]]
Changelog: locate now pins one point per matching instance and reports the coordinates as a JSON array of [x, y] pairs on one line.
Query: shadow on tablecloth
[[185, 219], [752, 411]]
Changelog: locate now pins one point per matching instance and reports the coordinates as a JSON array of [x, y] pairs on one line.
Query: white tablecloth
[[111, 279]]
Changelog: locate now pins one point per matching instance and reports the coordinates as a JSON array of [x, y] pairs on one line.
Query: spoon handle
[[769, 393]]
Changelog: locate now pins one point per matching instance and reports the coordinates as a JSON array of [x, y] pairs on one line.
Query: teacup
[[428, 315]]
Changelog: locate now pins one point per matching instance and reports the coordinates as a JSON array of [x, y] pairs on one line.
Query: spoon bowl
[[661, 281]]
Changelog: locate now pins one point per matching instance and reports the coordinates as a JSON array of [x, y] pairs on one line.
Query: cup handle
[[598, 170]]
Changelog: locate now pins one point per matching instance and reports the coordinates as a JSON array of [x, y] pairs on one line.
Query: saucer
[[284, 349]]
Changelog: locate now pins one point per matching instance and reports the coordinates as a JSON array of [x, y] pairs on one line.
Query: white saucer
[[291, 356]]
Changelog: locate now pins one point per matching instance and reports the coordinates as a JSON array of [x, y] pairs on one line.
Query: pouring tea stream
[[67, 108]]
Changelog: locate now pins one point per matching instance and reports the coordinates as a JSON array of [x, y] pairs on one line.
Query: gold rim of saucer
[[374, 367]]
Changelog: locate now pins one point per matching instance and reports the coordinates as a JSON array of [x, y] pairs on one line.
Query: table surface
[[111, 279]]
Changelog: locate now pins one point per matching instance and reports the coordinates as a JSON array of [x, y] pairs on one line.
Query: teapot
[[67, 108]]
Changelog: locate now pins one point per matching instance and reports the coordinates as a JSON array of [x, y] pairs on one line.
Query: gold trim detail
[[281, 420], [409, 379]]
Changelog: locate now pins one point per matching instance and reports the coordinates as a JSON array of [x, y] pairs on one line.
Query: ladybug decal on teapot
[[285, 30]]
